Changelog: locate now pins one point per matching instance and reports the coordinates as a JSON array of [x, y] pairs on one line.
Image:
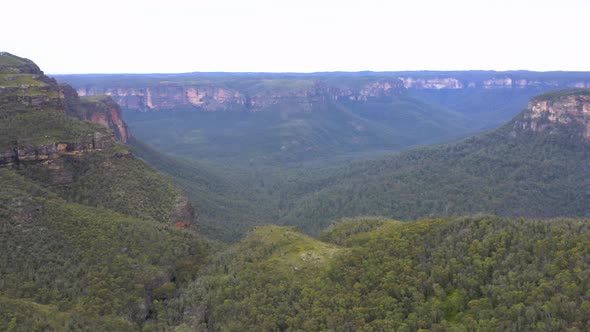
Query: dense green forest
[[483, 109], [507, 172], [91, 238], [89, 265], [99, 235], [375, 274], [287, 135], [528, 175]]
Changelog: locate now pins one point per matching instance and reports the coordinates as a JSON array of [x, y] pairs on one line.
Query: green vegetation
[[276, 259], [24, 315], [38, 128], [111, 264], [483, 109], [284, 135], [528, 175], [230, 201], [111, 179], [474, 274], [12, 64], [32, 114], [86, 260], [18, 80], [502, 172], [97, 240]]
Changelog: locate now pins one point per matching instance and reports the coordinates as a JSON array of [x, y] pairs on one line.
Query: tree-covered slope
[[84, 260], [474, 274], [290, 134], [91, 238], [231, 200], [537, 165]]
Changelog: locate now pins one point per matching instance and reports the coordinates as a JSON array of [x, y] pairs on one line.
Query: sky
[[172, 36]]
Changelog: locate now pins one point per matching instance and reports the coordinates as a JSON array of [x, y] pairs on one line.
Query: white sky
[[139, 36]]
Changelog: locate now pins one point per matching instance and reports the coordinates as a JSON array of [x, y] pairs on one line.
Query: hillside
[[289, 136], [476, 274], [512, 171], [231, 200], [91, 238], [534, 166]]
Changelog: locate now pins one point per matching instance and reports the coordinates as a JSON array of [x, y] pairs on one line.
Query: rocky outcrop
[[26, 94], [99, 109], [565, 113], [104, 111], [44, 136], [44, 153], [40, 97], [184, 215]]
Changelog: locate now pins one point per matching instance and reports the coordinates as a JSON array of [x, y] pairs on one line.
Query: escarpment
[[261, 91], [257, 97], [559, 113], [104, 111], [36, 114], [75, 146]]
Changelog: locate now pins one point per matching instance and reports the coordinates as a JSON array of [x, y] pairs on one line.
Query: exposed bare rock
[[104, 111], [432, 83], [564, 113], [184, 215], [54, 151], [211, 98]]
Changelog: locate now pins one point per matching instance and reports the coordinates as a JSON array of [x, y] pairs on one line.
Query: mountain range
[[297, 119]]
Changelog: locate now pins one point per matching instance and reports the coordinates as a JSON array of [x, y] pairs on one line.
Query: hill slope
[[513, 171], [481, 274], [290, 134], [537, 165], [91, 238]]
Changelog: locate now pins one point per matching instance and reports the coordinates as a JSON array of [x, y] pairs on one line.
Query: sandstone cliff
[[104, 111], [73, 145], [565, 113], [48, 152], [36, 110], [256, 92], [218, 97]]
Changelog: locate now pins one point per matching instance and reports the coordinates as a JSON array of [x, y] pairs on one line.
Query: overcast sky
[[139, 36]]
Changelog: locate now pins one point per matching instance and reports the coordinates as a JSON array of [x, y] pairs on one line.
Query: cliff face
[[564, 113], [104, 111], [496, 82], [51, 135], [211, 98], [49, 152], [36, 115], [256, 92]]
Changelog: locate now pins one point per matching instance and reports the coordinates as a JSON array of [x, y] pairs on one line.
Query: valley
[[394, 201]]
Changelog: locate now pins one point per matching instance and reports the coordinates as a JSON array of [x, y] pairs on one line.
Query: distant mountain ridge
[[258, 91]]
